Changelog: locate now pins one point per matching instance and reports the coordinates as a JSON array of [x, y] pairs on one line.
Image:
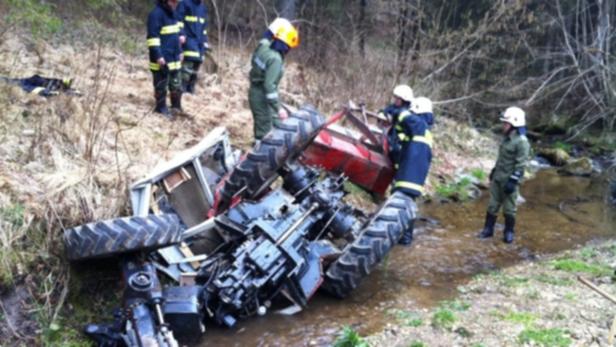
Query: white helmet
[[514, 116], [421, 105], [277, 24], [404, 92]]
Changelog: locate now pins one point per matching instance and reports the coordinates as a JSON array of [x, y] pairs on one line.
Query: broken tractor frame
[[216, 237]]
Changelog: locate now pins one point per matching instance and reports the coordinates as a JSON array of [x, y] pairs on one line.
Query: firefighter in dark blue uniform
[[403, 95], [43, 86], [193, 16], [416, 153], [164, 44]]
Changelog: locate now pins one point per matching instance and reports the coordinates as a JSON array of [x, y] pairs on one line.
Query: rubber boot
[[509, 229], [488, 228], [407, 235], [176, 102], [190, 85], [161, 104]]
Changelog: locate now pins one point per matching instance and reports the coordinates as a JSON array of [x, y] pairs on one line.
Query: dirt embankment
[[531, 304]]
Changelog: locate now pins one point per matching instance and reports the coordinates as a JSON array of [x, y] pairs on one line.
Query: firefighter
[[507, 173], [164, 43], [403, 95], [265, 75], [416, 153], [193, 16]]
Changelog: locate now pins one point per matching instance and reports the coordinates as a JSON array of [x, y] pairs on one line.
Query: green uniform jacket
[[512, 157], [266, 72]]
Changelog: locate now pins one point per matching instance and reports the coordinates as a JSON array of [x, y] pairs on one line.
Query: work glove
[[512, 182]]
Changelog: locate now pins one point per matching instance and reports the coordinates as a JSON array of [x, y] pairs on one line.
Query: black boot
[[407, 235], [161, 104], [488, 228], [190, 85], [509, 229], [176, 102]]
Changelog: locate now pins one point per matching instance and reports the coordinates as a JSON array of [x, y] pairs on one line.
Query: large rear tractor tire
[[283, 144], [122, 235], [373, 243]]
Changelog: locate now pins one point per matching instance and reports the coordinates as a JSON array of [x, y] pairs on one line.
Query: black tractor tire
[[283, 144], [373, 243], [122, 235]]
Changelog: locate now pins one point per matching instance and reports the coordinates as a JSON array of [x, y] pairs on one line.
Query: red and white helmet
[[514, 116]]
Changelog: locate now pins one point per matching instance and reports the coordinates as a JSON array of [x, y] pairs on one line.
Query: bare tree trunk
[[362, 27], [287, 9]]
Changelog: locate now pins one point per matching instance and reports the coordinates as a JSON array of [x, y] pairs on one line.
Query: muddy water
[[560, 213]]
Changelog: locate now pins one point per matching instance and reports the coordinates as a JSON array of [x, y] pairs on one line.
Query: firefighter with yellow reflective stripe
[[266, 73], [403, 96], [164, 45], [193, 15], [416, 153]]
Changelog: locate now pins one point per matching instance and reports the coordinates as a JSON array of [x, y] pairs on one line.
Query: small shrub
[[458, 191], [545, 337], [350, 338]]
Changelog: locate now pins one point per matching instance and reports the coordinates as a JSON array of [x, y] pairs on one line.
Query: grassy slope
[[540, 304]]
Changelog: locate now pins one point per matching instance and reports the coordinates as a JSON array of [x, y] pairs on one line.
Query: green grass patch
[[479, 174], [545, 337], [13, 214], [443, 318], [577, 266], [456, 305], [350, 338], [588, 253], [458, 191], [553, 280], [570, 297], [417, 344], [563, 145], [35, 15], [407, 318], [525, 318]]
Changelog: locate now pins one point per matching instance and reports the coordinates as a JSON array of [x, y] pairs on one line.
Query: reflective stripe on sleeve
[[409, 185], [154, 42], [272, 96], [174, 65], [193, 54], [154, 67], [260, 63], [191, 18], [181, 24], [170, 29]]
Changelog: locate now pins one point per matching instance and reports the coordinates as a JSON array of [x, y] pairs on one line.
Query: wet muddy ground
[[560, 213]]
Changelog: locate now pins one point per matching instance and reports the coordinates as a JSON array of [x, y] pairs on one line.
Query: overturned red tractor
[[238, 236]]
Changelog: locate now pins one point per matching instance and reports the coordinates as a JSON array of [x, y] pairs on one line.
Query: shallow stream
[[559, 213]]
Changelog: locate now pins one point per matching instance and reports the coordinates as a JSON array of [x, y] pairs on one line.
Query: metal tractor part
[[360, 154]]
